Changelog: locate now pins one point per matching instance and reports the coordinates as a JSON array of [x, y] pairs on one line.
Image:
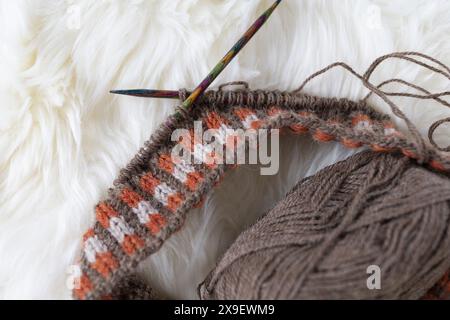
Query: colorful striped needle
[[215, 71], [149, 93]]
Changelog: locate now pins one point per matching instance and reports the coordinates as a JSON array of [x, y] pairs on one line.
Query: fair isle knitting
[[371, 209], [152, 195]]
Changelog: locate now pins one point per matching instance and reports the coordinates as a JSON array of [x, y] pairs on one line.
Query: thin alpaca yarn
[[317, 243], [152, 195]]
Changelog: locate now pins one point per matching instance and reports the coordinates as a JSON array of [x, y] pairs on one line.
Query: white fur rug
[[63, 138]]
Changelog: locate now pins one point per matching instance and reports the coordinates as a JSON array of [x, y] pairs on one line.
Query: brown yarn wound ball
[[132, 288], [317, 243]]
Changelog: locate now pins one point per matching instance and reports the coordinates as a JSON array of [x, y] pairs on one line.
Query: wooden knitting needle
[[148, 93], [214, 72]]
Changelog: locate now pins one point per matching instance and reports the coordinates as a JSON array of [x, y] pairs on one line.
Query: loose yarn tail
[[420, 143]]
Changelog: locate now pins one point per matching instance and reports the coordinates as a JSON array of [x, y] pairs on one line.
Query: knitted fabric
[[441, 290], [152, 195], [132, 288], [317, 243]]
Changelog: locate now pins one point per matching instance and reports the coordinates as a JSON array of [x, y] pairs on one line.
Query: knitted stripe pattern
[[152, 195], [372, 209]]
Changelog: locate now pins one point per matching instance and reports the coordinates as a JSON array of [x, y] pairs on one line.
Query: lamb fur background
[[63, 138]]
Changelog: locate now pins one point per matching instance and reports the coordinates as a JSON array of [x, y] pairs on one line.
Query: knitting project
[[372, 209], [153, 194]]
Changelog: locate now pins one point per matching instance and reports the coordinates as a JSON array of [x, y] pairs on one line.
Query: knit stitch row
[[153, 194]]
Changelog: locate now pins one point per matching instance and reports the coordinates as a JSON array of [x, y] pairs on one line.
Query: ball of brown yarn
[[317, 243], [133, 288]]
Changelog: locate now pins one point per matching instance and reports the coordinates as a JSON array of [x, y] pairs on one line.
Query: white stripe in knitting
[[119, 228], [248, 121], [162, 192], [363, 125], [143, 210], [222, 134], [201, 152], [181, 170], [390, 131], [179, 174], [92, 246], [185, 167]]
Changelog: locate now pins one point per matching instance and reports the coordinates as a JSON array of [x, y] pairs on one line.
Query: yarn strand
[[419, 141]]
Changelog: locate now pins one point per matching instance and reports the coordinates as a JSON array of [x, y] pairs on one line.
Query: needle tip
[[117, 91], [149, 93]]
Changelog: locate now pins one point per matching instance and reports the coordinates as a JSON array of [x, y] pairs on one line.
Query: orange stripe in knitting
[[243, 113], [351, 143], [391, 130], [193, 180], [104, 212], [104, 263], [174, 201], [298, 128], [213, 120], [83, 288], [211, 165], [273, 111], [378, 148], [165, 163], [388, 125], [409, 153], [211, 160], [149, 183], [156, 223], [88, 234], [256, 124], [360, 118], [200, 203], [131, 243], [304, 114], [130, 197], [323, 136], [437, 165]]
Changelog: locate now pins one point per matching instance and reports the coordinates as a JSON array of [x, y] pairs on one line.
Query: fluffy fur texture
[[63, 138]]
